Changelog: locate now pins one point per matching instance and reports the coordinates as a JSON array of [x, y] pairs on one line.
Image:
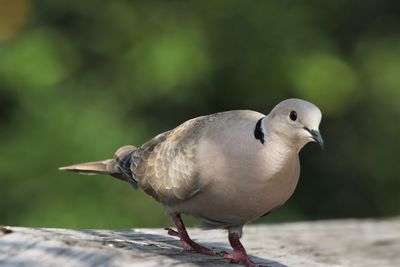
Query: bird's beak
[[316, 136]]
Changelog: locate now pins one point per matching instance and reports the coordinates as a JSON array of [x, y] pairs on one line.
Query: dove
[[226, 169]]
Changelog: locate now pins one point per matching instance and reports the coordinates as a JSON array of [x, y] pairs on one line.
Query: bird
[[226, 169]]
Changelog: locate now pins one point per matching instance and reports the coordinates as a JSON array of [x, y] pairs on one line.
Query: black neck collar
[[258, 131]]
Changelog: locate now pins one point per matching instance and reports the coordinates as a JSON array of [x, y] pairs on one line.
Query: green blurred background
[[78, 79]]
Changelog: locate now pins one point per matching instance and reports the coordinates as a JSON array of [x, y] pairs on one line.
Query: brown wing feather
[[165, 166]]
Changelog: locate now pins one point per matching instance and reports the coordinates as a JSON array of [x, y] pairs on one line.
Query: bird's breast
[[243, 179]]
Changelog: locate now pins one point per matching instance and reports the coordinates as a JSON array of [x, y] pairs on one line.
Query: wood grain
[[325, 243]]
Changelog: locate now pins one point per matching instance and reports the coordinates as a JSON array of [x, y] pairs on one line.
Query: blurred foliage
[[78, 79]]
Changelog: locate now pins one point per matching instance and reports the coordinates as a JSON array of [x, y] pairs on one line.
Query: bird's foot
[[242, 258], [189, 245], [239, 254]]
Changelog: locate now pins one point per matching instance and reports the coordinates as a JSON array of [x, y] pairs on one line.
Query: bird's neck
[[284, 142], [283, 151]]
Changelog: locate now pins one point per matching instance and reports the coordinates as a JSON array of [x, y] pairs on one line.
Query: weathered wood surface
[[327, 243]]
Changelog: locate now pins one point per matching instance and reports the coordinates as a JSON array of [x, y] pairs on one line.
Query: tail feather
[[118, 167], [95, 167]]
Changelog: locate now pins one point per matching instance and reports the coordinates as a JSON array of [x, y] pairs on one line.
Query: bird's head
[[297, 122]]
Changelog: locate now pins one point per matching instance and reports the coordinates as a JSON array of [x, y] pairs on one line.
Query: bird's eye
[[293, 115]]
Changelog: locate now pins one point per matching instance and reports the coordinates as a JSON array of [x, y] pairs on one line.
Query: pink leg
[[187, 243], [239, 254]]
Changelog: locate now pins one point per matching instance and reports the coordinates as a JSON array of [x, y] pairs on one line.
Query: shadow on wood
[[49, 247]]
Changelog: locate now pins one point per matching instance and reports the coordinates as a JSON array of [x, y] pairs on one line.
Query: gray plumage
[[214, 168]]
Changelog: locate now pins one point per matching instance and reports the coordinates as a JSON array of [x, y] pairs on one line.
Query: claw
[[237, 257], [172, 232], [221, 253]]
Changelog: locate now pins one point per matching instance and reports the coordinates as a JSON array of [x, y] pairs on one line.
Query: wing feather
[[165, 166]]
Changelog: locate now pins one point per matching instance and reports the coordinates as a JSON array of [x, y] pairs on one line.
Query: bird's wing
[[165, 166]]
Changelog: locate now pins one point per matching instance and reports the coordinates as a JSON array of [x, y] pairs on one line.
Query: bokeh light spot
[[325, 79]]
